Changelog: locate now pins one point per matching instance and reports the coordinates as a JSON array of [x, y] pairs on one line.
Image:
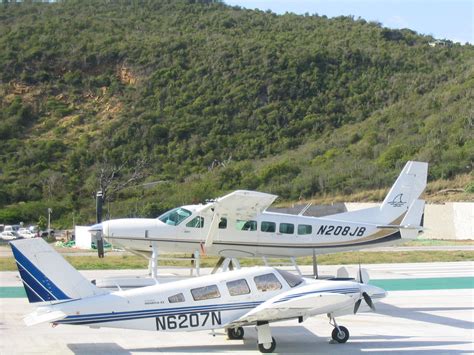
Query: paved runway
[[422, 322]]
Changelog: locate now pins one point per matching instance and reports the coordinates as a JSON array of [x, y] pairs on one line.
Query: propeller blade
[[368, 300], [357, 305]]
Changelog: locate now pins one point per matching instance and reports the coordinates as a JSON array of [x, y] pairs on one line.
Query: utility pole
[[49, 221]]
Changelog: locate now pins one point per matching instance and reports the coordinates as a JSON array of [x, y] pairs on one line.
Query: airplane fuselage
[[211, 302], [269, 234]]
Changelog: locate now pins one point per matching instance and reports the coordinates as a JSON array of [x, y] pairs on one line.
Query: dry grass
[[114, 262]]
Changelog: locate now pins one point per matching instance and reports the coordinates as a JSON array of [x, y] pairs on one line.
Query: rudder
[[46, 275]]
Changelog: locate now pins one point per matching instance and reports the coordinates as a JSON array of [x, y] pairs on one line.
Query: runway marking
[[438, 283]]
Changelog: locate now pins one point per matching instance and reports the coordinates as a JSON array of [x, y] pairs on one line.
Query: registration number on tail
[[188, 320]]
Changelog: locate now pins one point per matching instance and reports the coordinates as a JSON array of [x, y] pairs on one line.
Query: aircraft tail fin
[[408, 187], [396, 206], [46, 275]]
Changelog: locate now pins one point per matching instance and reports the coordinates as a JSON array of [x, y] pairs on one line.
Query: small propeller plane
[[238, 225], [231, 300]]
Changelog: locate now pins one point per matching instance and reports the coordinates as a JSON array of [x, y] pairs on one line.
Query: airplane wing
[[307, 305], [243, 204], [240, 204]]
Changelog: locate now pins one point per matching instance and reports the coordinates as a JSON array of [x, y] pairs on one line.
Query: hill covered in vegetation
[[198, 99]]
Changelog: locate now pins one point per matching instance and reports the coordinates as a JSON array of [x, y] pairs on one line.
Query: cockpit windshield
[[175, 216], [293, 280]]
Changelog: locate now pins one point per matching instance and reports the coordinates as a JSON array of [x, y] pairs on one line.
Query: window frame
[[286, 224], [238, 294], [201, 222], [265, 289], [305, 225], [205, 297], [251, 223], [270, 224], [183, 299]]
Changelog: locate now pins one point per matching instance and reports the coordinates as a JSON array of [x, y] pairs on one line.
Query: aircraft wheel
[[235, 333], [340, 335], [269, 349]]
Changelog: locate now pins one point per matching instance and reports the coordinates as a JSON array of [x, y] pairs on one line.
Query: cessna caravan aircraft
[[238, 225], [231, 300]]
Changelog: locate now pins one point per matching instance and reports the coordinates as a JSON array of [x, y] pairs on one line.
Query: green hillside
[[206, 98]]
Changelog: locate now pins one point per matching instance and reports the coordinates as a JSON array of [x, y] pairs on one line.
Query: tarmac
[[419, 316]]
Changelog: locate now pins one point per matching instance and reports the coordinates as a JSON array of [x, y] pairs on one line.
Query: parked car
[[6, 235], [26, 233]]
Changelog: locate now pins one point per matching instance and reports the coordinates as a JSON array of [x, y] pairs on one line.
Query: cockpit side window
[[293, 280], [196, 222], [174, 216]]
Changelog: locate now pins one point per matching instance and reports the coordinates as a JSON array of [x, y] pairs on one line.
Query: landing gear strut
[[339, 333], [266, 343]]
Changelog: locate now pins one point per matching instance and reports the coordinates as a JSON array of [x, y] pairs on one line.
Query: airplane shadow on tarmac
[[418, 314], [290, 340]]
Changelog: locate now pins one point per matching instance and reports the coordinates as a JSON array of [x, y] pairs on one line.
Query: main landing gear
[[339, 334], [235, 333], [266, 343]]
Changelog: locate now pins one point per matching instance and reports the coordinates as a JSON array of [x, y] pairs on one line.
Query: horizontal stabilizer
[[41, 317]]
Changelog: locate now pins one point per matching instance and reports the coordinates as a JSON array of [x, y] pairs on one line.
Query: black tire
[[235, 333], [340, 335], [265, 350]]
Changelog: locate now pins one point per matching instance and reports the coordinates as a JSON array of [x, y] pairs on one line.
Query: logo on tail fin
[[397, 201]]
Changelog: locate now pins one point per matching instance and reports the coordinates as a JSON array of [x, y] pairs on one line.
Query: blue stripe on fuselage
[[118, 316]]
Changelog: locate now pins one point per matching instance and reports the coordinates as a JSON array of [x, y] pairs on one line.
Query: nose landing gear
[[339, 334]]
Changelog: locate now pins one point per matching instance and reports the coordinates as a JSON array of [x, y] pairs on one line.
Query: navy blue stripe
[[35, 286], [32, 296], [35, 279], [296, 295], [188, 308], [113, 317]]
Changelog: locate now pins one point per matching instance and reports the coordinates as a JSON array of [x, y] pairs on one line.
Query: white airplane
[[230, 300], [238, 225]]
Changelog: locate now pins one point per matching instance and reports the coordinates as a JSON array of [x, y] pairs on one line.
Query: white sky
[[443, 19]]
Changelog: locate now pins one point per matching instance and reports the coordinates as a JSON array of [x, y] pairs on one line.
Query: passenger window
[[223, 223], [268, 227], [267, 282], [179, 297], [205, 293], [238, 287], [196, 222], [287, 228], [304, 229], [246, 225]]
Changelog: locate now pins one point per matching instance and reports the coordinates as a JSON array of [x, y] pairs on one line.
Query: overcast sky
[[443, 19]]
